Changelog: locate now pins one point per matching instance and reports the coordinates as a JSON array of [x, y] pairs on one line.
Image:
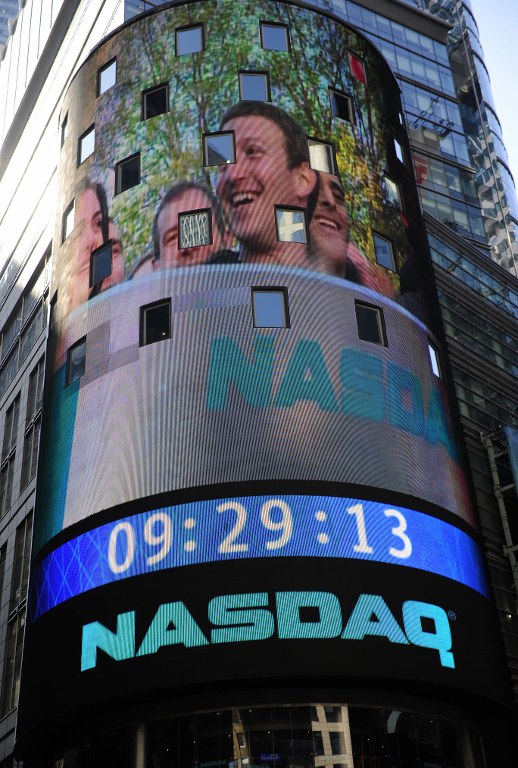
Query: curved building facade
[[254, 540]]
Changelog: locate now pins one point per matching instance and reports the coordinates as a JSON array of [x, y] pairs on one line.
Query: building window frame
[[162, 331], [67, 221], [314, 144], [380, 241], [365, 314], [342, 99], [17, 615], [264, 23], [75, 370], [148, 92], [123, 183], [63, 130], [82, 147], [281, 210], [186, 216], [187, 28], [207, 150], [259, 312], [259, 75], [112, 63], [95, 263]]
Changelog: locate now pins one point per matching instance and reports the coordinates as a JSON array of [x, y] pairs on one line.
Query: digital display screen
[[253, 527], [198, 196], [192, 216]]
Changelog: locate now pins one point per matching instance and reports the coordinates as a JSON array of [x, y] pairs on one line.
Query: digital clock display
[[257, 527]]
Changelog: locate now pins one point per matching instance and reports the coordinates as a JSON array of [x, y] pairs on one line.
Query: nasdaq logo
[[252, 617]]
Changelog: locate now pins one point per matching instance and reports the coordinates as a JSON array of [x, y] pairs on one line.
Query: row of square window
[[270, 309], [219, 149], [195, 230], [253, 86], [191, 39]]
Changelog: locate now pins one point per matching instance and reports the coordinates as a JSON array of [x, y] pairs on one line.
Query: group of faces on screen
[[271, 174]]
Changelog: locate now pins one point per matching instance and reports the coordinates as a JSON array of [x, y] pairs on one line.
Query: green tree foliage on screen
[[204, 85]]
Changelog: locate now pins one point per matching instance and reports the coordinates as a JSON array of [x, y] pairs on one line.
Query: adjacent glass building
[[260, 304]]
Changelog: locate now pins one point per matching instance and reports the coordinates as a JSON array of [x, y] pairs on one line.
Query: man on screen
[[331, 249], [186, 197], [271, 169]]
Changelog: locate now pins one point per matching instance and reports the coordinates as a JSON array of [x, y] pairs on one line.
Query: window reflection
[[309, 736]]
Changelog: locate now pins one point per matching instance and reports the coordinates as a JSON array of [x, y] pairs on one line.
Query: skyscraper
[[273, 481]]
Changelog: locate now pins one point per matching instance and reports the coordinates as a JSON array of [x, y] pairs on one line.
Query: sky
[[498, 26]]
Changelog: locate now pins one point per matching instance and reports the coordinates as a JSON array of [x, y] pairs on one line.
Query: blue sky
[[498, 26]]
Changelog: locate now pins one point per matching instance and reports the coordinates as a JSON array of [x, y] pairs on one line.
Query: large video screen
[[221, 489], [192, 175]]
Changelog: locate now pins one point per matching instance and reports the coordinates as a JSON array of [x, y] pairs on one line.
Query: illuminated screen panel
[[218, 628], [291, 193], [178, 390], [244, 528]]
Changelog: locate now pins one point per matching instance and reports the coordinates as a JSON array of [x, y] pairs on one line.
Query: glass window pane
[[321, 156], [434, 359], [189, 40], [76, 361], [127, 173], [68, 221], [253, 86], [399, 151], [194, 229], [392, 191], [155, 322], [270, 307], [64, 129], [291, 225], [100, 264], [383, 250], [370, 325], [219, 148], [274, 37], [341, 105], [86, 145], [155, 101], [107, 77]]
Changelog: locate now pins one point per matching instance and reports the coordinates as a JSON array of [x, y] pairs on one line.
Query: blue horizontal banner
[[255, 527]]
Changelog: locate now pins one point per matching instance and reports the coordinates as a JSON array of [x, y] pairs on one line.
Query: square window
[[291, 225], [274, 37], [155, 101], [254, 86], [86, 145], [76, 361], [219, 148], [370, 323], [383, 250], [321, 156], [341, 105], [337, 748], [107, 77], [67, 225], [270, 308], [127, 173], [64, 129], [100, 264], [357, 67], [392, 191], [398, 149], [189, 40], [434, 359], [155, 322], [194, 228]]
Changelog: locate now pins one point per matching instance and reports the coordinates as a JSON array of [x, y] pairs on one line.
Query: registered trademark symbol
[[452, 615]]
